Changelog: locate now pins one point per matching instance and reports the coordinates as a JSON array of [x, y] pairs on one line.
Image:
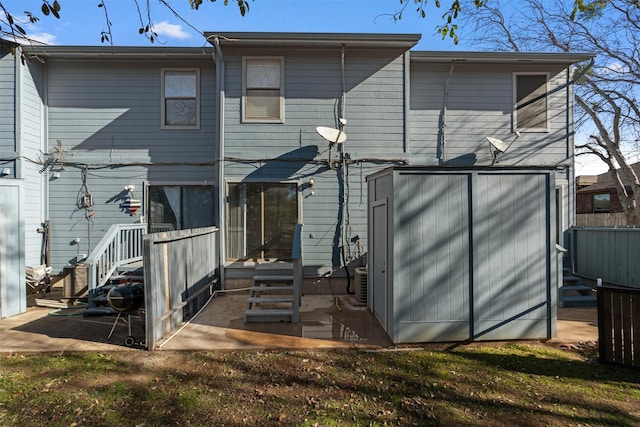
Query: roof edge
[[314, 39], [489, 56], [111, 52]]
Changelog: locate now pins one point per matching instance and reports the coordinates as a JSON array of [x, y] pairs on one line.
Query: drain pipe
[[220, 98], [443, 124]]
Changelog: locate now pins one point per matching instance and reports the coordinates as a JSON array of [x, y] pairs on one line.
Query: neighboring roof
[[605, 182], [115, 52], [251, 39], [504, 57]]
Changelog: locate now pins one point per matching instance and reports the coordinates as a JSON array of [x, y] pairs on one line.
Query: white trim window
[[180, 98], [531, 112], [263, 89]]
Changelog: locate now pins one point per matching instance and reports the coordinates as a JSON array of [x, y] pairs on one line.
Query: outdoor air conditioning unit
[[361, 285]]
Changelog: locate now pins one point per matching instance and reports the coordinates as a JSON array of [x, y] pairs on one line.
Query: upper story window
[[180, 98], [531, 109], [263, 89]]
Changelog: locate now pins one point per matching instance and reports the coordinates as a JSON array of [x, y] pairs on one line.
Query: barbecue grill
[[126, 299]]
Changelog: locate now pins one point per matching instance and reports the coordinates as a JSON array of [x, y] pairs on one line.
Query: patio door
[[260, 220]]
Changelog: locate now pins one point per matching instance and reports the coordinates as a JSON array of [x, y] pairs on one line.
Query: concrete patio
[[327, 321]]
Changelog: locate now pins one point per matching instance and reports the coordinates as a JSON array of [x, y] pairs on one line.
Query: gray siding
[[107, 116], [375, 106], [479, 103], [7, 105], [32, 147]]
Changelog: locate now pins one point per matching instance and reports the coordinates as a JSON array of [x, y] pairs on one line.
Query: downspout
[[570, 152], [443, 155], [407, 101], [220, 98]]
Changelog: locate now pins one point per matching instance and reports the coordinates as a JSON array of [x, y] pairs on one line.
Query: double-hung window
[[261, 217], [180, 98], [263, 89], [531, 108]]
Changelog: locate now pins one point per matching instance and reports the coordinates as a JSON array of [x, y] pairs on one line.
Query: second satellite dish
[[334, 136], [497, 144]]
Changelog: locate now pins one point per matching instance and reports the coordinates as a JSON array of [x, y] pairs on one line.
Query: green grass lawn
[[511, 384]]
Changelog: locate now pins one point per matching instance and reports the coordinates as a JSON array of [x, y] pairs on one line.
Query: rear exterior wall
[[106, 116]]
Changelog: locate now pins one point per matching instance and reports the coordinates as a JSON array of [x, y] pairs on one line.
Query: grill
[[126, 299]]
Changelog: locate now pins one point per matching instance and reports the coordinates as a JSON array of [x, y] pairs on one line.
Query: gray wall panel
[[479, 104], [7, 103], [374, 109], [107, 117]]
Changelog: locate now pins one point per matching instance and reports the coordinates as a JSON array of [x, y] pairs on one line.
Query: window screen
[[180, 98], [263, 89], [531, 102]]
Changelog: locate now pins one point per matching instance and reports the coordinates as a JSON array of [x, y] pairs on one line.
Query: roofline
[[245, 39], [501, 57], [115, 52]]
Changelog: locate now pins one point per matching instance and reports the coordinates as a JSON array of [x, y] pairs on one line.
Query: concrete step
[[254, 290], [579, 301], [275, 278], [571, 279], [269, 299], [576, 288], [581, 289], [268, 315]]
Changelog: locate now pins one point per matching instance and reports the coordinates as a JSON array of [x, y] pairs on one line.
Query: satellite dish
[[498, 145], [334, 136]]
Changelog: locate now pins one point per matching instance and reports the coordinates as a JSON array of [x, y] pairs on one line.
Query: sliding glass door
[[180, 207], [260, 220]]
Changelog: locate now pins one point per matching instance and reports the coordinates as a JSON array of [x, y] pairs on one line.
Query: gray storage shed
[[462, 254]]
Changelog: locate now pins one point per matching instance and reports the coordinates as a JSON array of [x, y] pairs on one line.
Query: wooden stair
[[271, 297], [573, 293], [276, 293]]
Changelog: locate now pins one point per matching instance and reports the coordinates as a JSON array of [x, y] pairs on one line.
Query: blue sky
[[82, 20]]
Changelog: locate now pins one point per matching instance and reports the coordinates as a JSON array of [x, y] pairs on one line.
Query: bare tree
[[606, 91]]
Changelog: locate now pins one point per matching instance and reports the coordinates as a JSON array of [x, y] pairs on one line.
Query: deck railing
[[122, 244]]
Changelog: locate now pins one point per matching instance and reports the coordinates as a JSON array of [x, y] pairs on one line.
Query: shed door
[[432, 298], [13, 296], [379, 262], [511, 229]]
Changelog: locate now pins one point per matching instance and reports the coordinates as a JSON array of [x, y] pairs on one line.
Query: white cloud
[[164, 28], [45, 38]]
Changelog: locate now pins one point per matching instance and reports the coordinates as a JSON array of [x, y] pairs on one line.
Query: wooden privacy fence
[[612, 254], [619, 325], [180, 274]]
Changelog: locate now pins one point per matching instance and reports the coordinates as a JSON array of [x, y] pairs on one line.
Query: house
[[597, 201], [235, 135]]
